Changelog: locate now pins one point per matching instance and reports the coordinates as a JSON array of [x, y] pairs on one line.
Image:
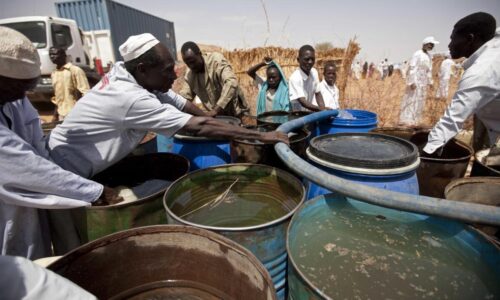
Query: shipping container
[[122, 21]]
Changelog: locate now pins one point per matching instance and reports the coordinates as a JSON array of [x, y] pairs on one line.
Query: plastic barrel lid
[[364, 150]]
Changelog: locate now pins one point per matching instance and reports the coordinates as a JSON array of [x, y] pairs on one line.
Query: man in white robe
[[29, 182], [445, 74], [417, 83]]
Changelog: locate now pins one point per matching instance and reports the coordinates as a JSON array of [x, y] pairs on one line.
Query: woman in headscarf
[[273, 92]]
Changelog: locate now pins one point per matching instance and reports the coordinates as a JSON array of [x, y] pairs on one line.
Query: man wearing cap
[[417, 83], [132, 99], [212, 79], [476, 38], [29, 182]]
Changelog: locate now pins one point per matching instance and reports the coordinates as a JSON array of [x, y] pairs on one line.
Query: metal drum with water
[[340, 248], [166, 262], [204, 152], [482, 190], [145, 178], [250, 204], [256, 152], [437, 170], [349, 120], [373, 159], [401, 132]]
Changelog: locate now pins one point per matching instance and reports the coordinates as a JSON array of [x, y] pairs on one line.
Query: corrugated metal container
[[123, 21]]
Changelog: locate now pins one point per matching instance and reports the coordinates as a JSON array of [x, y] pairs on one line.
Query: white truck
[[81, 47]]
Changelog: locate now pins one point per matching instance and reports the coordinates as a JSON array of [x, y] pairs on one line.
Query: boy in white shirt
[[328, 89], [304, 83]]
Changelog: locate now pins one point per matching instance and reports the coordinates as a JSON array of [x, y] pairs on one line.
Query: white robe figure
[[420, 74], [30, 184], [356, 70], [404, 69], [445, 73]]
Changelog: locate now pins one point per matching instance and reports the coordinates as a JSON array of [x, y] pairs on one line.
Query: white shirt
[[109, 122], [23, 279], [445, 69], [478, 93], [301, 85], [28, 181], [259, 81], [330, 94]]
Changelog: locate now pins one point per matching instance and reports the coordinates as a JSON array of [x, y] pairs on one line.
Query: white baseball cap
[[18, 57], [137, 45], [430, 40]]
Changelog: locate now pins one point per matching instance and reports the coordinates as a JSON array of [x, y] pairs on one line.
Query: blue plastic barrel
[[340, 248], [373, 159], [260, 203], [202, 152], [364, 121]]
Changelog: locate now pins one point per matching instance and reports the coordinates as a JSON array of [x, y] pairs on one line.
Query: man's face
[[273, 78], [57, 56], [428, 46], [459, 45], [306, 61], [162, 76], [330, 75], [14, 89], [194, 61]]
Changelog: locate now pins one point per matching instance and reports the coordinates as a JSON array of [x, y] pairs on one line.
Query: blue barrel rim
[[364, 118], [148, 198], [471, 235], [282, 219]]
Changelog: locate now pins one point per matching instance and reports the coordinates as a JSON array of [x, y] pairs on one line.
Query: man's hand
[[274, 137], [413, 86], [214, 112], [108, 197]]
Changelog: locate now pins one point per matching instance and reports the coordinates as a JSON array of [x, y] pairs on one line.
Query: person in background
[[417, 83], [273, 92], [371, 70], [69, 81], [404, 69], [365, 70], [356, 70], [476, 38], [304, 83], [328, 89], [385, 68], [212, 79], [24, 279], [445, 74], [31, 184]]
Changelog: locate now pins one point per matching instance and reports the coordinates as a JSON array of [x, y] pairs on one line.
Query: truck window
[[61, 36], [34, 31]]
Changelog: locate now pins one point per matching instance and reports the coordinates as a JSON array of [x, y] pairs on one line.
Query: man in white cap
[[476, 38], [445, 74], [29, 182], [132, 99], [417, 83]]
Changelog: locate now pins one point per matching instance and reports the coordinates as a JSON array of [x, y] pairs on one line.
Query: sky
[[384, 29]]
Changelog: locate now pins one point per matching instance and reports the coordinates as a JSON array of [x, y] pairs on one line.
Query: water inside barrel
[[235, 202], [352, 255]]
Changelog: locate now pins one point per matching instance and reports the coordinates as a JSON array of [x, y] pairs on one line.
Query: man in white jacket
[[417, 83], [445, 74], [476, 38], [29, 182]]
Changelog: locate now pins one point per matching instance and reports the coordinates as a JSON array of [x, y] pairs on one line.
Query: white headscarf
[[137, 45], [18, 57]]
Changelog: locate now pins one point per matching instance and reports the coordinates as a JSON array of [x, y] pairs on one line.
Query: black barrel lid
[[364, 150]]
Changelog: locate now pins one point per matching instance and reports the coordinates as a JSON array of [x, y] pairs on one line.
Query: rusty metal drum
[[166, 262]]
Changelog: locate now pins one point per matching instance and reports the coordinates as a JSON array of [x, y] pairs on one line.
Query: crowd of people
[[102, 125]]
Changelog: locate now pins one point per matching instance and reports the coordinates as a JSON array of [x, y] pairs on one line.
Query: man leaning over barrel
[[30, 183]]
